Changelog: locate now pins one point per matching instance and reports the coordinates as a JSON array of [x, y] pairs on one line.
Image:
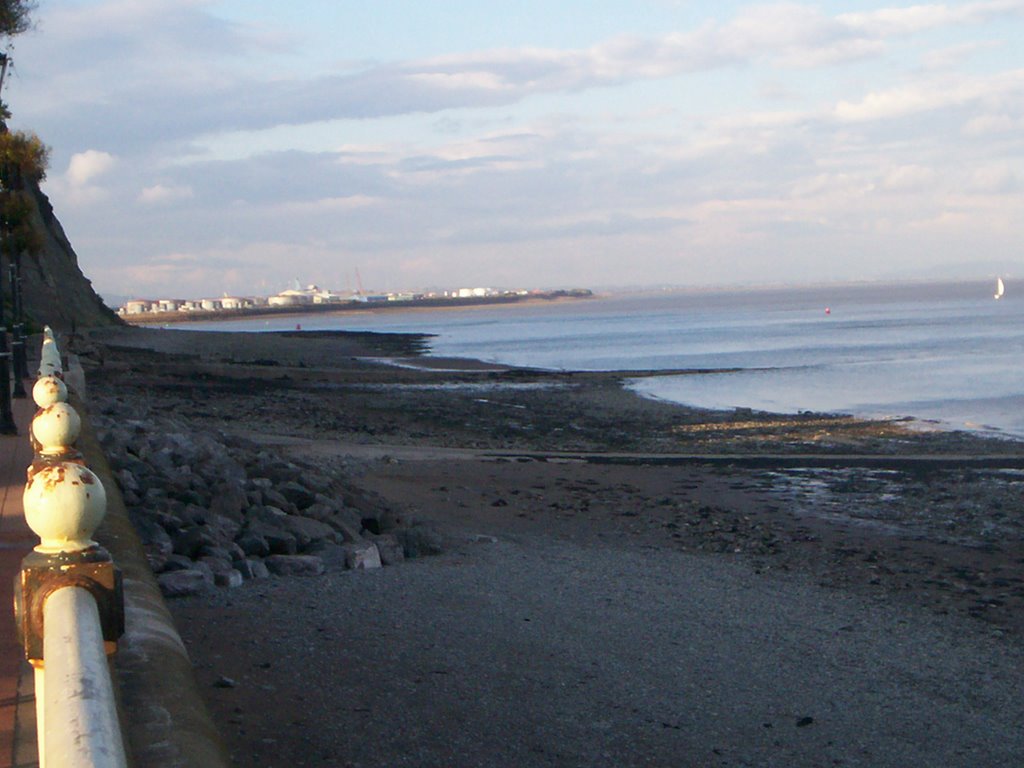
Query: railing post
[[68, 597]]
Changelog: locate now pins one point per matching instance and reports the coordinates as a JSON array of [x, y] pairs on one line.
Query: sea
[[947, 355]]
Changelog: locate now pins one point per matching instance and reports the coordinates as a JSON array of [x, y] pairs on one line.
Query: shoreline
[[863, 525]]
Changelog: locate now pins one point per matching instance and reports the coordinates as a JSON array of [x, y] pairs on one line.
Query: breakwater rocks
[[214, 509]]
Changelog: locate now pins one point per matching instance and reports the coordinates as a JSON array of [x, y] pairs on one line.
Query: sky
[[203, 147]]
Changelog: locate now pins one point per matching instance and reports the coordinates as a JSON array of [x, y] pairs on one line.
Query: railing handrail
[[79, 712], [68, 602]]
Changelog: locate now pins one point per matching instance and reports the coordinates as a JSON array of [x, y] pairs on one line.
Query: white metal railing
[[68, 601]]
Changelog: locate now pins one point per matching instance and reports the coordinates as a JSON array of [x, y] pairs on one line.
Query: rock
[[244, 567], [223, 529], [252, 543], [217, 565], [224, 682], [278, 540], [230, 579], [266, 514], [273, 498], [347, 523], [160, 460], [127, 481], [278, 471], [322, 509], [183, 583], [229, 500], [193, 514], [419, 540], [362, 556], [178, 563], [260, 484], [222, 468], [189, 541], [308, 531], [156, 542], [316, 482], [204, 567], [390, 549], [295, 565], [189, 496], [258, 569], [297, 494]]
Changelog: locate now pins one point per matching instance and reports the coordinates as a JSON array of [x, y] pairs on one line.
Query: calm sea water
[[945, 353]]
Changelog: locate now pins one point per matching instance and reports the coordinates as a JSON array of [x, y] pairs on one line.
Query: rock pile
[[215, 509]]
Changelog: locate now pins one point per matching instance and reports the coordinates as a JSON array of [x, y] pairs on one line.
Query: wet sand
[[624, 580]]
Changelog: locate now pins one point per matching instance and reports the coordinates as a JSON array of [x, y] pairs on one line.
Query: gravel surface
[[531, 652]]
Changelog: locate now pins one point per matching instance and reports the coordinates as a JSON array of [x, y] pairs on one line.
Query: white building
[[138, 306]]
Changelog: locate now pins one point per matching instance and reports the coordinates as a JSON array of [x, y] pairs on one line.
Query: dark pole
[[7, 425], [20, 366], [17, 342]]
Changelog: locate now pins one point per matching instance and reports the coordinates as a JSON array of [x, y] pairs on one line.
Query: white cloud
[[994, 179], [333, 204], [160, 193], [954, 55], [917, 18], [932, 94], [79, 182], [991, 125], [908, 178], [88, 165]]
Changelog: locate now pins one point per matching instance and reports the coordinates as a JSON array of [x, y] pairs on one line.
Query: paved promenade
[[17, 713]]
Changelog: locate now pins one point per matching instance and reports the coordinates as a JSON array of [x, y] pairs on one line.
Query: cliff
[[54, 290]]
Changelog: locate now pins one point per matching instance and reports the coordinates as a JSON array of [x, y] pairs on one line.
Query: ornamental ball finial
[[64, 504], [56, 428], [49, 390]]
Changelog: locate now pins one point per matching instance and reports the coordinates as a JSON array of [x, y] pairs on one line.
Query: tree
[[14, 17], [23, 159]]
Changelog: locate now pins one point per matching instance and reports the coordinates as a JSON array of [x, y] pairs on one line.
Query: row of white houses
[[293, 297]]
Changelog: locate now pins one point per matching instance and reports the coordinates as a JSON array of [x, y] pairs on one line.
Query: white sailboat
[[999, 288]]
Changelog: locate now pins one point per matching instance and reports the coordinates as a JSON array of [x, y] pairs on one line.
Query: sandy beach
[[622, 581]]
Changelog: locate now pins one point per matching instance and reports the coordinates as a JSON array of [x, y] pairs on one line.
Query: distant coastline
[[447, 302]]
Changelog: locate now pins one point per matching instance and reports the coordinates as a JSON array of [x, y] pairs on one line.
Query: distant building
[[290, 298], [474, 293], [311, 294], [138, 306]]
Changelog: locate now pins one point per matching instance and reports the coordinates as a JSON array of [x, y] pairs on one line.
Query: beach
[[620, 581]]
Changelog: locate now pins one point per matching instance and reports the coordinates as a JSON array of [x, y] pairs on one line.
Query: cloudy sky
[[204, 146]]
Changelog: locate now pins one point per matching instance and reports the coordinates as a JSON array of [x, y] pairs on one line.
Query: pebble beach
[[444, 562]]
